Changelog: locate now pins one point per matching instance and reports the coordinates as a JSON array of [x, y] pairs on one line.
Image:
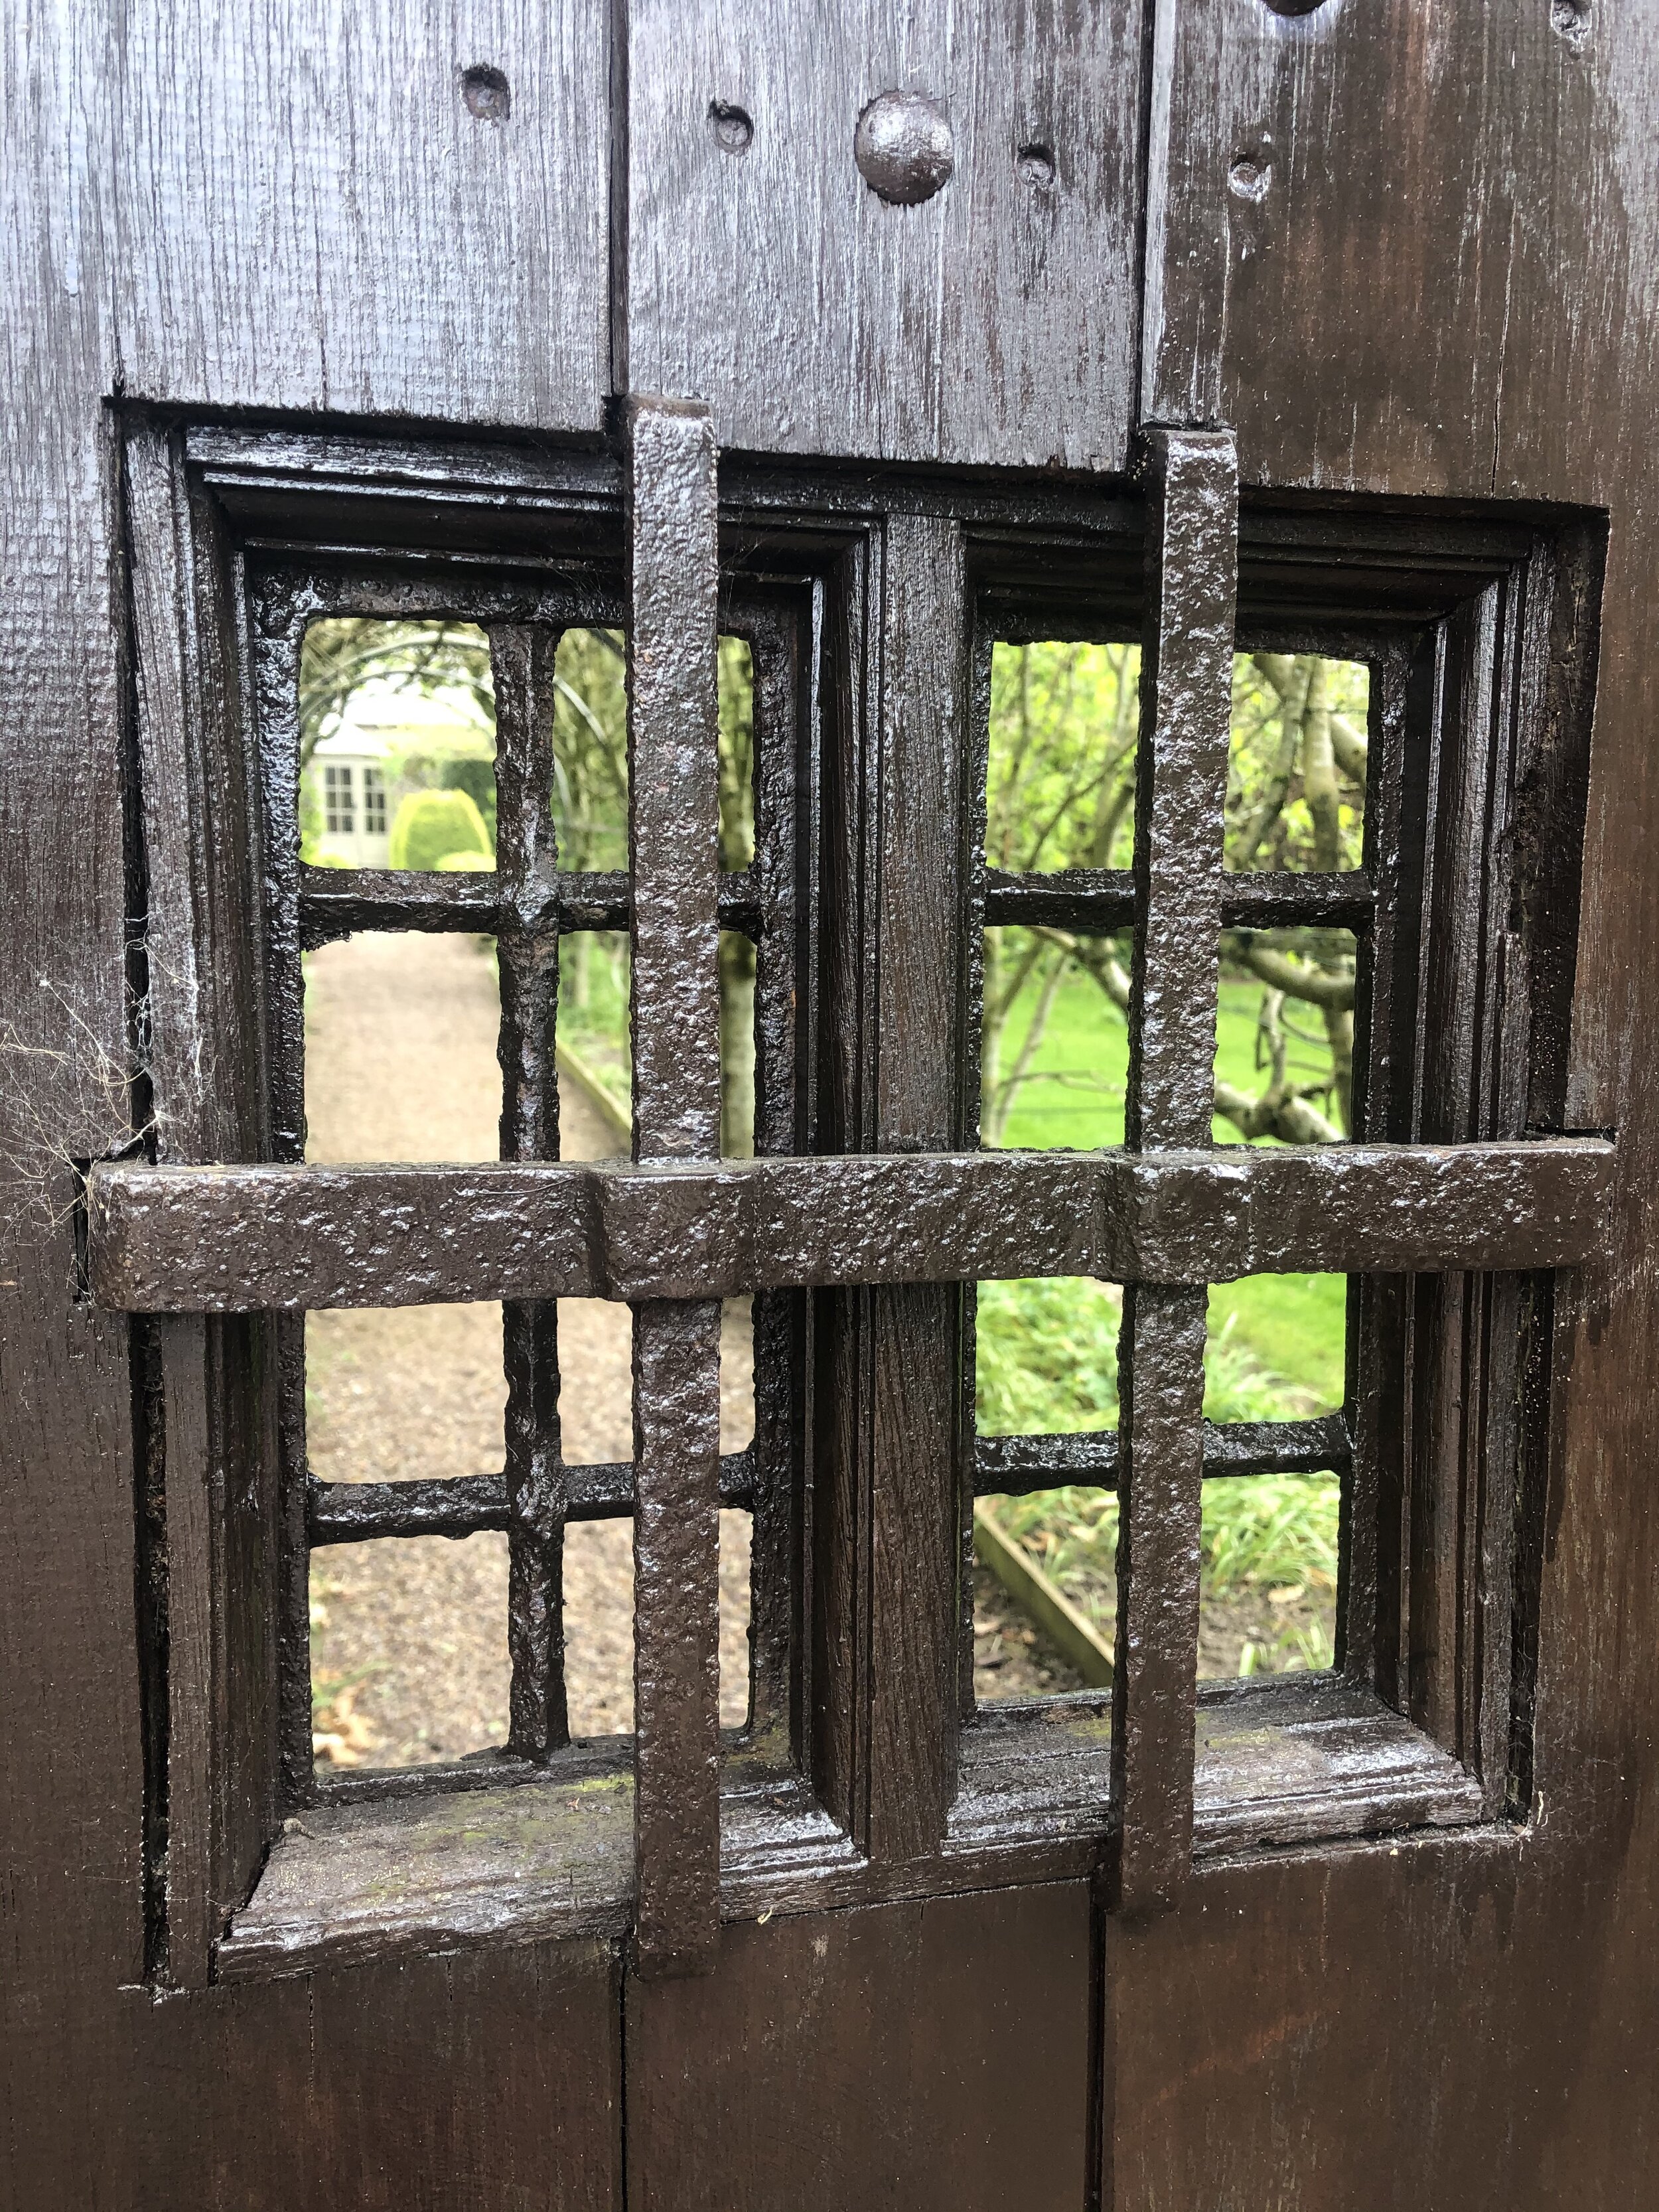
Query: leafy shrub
[[431, 824], [1047, 1364], [1048, 1356]]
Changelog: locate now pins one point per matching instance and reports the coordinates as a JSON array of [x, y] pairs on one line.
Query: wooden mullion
[[910, 1549], [1192, 557], [674, 817]]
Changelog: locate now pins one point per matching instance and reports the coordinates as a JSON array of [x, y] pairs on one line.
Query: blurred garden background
[[397, 771]]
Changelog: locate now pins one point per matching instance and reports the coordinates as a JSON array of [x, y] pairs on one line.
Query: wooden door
[[881, 341]]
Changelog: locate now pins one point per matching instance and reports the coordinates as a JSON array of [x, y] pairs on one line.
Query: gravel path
[[408, 1646], [409, 1641]]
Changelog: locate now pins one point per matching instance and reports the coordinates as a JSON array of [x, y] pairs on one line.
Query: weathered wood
[[673, 819], [366, 212], [531, 1853], [993, 324]]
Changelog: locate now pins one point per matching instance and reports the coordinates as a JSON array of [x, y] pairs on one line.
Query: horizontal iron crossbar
[[1013, 1467], [1099, 901], [336, 902], [463, 1504], [241, 1239]]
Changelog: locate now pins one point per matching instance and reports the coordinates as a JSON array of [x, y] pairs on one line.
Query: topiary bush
[[430, 825]]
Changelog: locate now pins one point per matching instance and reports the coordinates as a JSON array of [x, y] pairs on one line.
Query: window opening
[[407, 1031], [403, 712], [1061, 744]]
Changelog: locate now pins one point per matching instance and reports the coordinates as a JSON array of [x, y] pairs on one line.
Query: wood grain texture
[[996, 323], [1263, 251], [917, 2054], [912, 1499], [310, 216]]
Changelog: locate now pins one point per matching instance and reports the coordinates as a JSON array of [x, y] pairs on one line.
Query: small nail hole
[[734, 127], [1569, 20], [487, 93], [1248, 180], [1035, 164]]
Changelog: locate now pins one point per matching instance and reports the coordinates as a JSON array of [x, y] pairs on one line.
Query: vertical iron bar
[[1192, 560], [528, 949], [673, 558]]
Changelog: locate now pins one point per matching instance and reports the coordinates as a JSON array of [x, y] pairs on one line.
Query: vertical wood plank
[[995, 323], [674, 557], [391, 249], [204, 1061], [922, 2055], [914, 1330], [1192, 558]]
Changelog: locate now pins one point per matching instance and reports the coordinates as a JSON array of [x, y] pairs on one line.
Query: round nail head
[[903, 147]]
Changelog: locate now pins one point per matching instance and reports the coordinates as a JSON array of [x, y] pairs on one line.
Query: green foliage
[[1060, 793], [1047, 1364], [590, 750], [1046, 1357], [1060, 782], [342, 654], [736, 753], [431, 824], [1291, 803]]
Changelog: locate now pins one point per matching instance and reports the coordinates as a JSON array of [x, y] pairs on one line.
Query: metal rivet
[[1295, 7], [487, 93], [1035, 164], [1249, 178], [903, 147], [734, 127]]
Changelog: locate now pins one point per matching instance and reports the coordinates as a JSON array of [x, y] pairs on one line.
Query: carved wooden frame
[[872, 1779]]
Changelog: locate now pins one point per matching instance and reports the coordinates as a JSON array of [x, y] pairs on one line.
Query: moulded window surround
[[1480, 637]]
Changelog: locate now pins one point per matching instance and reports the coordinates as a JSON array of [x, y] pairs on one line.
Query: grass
[[1047, 1350]]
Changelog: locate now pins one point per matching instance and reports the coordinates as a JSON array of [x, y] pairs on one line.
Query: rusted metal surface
[[673, 575], [233, 1239], [1185, 701]]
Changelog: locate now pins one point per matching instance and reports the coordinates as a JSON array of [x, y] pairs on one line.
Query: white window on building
[[339, 806], [373, 802]]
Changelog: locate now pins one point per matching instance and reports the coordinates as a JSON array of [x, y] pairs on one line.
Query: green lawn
[[1292, 1325]]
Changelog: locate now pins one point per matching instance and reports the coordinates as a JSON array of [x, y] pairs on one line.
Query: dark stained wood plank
[[355, 270], [673, 798], [400, 2083], [911, 2055], [995, 323], [912, 1502], [1263, 307], [71, 1721]]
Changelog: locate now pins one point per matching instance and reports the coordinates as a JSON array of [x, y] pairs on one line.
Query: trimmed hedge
[[431, 826]]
